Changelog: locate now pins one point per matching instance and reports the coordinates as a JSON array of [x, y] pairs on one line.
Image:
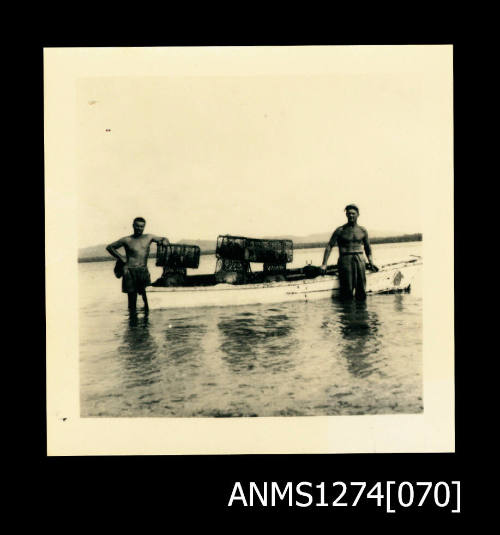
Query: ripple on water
[[292, 359]]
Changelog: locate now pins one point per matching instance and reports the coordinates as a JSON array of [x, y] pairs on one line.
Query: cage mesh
[[234, 254], [175, 256], [254, 250], [274, 268]]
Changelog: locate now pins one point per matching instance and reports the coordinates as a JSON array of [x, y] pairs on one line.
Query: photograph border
[[70, 435]]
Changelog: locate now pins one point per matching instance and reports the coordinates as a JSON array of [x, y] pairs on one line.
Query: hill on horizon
[[95, 251]]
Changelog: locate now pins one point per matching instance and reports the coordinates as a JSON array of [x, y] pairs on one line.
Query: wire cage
[[233, 271], [234, 254], [274, 268], [271, 252], [177, 256]]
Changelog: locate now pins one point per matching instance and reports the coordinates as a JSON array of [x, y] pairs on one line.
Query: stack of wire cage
[[175, 258], [235, 253]]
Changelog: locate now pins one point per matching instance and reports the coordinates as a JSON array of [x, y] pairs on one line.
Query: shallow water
[[319, 358]]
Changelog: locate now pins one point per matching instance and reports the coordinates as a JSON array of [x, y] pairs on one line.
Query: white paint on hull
[[392, 278]]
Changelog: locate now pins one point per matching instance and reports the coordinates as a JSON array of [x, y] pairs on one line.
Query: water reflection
[[139, 353], [250, 340], [183, 339], [289, 359], [399, 302], [359, 328]]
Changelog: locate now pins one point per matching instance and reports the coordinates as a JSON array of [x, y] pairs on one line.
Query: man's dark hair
[[140, 219], [351, 207]]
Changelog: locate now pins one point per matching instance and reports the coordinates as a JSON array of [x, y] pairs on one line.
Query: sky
[[199, 156]]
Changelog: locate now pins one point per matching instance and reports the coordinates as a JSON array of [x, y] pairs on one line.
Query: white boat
[[396, 277]]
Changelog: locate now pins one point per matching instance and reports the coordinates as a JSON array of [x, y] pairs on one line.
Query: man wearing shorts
[[352, 239], [135, 271]]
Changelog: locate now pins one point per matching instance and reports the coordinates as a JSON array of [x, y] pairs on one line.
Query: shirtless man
[[351, 239], [135, 271]]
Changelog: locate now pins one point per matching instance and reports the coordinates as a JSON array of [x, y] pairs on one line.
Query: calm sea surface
[[292, 359]]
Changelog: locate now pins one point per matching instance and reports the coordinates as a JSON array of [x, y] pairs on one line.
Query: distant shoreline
[[296, 246]]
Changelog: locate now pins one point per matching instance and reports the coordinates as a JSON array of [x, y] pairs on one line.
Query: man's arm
[[159, 239], [368, 252], [328, 250], [112, 250]]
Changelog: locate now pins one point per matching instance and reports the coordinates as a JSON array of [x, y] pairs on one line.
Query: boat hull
[[394, 278]]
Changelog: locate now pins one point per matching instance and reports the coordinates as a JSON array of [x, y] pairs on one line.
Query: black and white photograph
[[249, 249]]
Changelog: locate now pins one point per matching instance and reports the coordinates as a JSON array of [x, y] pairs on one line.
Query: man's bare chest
[[138, 245], [351, 235]]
